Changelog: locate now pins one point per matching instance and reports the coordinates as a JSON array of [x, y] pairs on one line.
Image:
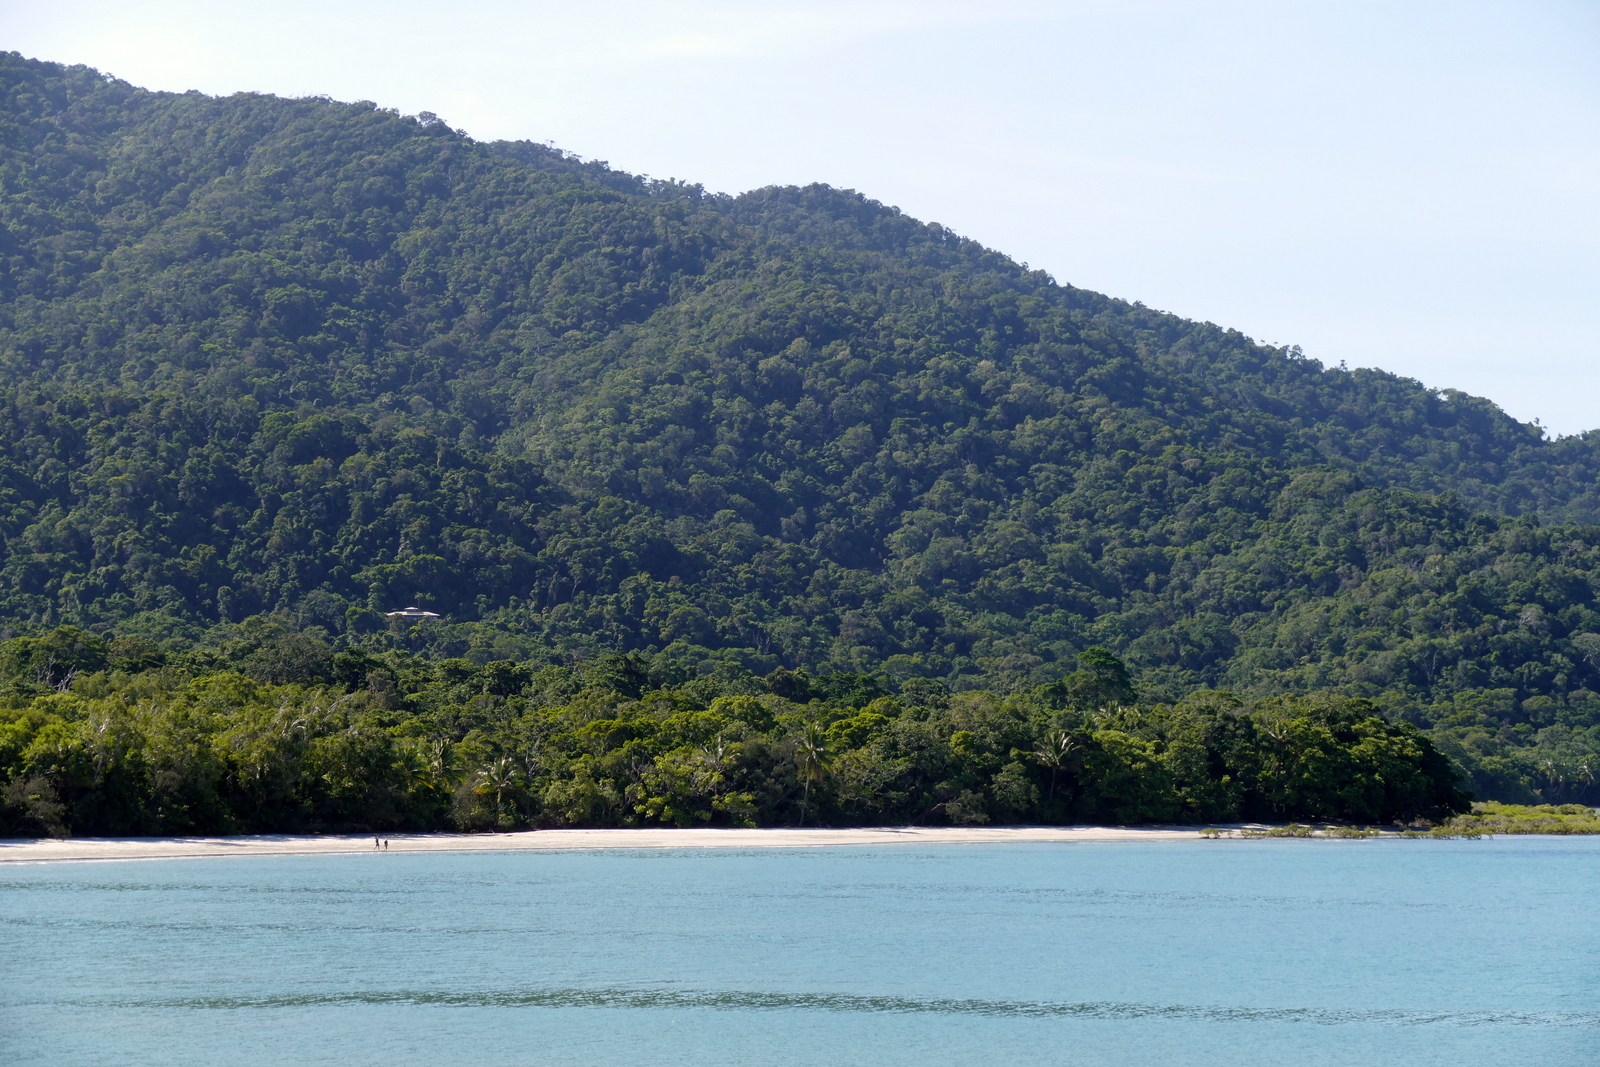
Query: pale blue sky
[[1407, 184]]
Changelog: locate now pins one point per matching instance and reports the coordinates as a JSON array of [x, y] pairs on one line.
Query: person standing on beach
[[374, 842]]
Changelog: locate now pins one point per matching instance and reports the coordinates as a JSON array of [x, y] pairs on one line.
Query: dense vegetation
[[1493, 818], [275, 731], [297, 363]]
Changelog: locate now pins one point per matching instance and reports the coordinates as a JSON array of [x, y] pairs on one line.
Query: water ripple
[[743, 1000]]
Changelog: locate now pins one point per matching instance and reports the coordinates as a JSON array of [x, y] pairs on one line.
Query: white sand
[[130, 848]]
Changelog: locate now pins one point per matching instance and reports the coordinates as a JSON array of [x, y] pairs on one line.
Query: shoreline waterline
[[82, 849]]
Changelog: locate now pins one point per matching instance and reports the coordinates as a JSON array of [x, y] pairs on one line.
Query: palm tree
[[714, 754], [811, 755], [1055, 750], [441, 763], [502, 778], [417, 770]]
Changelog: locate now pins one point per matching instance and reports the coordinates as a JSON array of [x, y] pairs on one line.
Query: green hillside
[[297, 363]]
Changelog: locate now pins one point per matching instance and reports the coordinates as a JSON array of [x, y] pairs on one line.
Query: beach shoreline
[[84, 849]]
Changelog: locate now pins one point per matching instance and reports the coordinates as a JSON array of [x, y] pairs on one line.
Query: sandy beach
[[133, 848]]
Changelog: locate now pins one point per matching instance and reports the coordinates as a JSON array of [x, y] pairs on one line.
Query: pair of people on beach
[[384, 846]]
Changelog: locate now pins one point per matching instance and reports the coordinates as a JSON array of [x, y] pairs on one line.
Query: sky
[[1405, 184]]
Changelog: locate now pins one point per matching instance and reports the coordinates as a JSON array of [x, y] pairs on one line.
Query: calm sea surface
[[1280, 953]]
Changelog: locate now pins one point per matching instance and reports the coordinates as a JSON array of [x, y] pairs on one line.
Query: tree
[[1101, 681], [502, 780], [53, 659], [813, 760], [1055, 751]]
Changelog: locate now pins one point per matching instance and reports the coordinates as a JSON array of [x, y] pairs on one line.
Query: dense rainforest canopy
[[294, 364], [214, 740]]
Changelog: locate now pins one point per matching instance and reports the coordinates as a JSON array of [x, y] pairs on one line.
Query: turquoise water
[[1280, 953]]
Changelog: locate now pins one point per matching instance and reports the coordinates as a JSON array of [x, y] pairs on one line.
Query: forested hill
[[317, 361]]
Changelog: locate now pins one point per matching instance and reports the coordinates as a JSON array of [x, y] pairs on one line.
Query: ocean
[[1101, 954]]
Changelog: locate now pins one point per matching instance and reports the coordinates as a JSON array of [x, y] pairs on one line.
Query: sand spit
[[131, 848]]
